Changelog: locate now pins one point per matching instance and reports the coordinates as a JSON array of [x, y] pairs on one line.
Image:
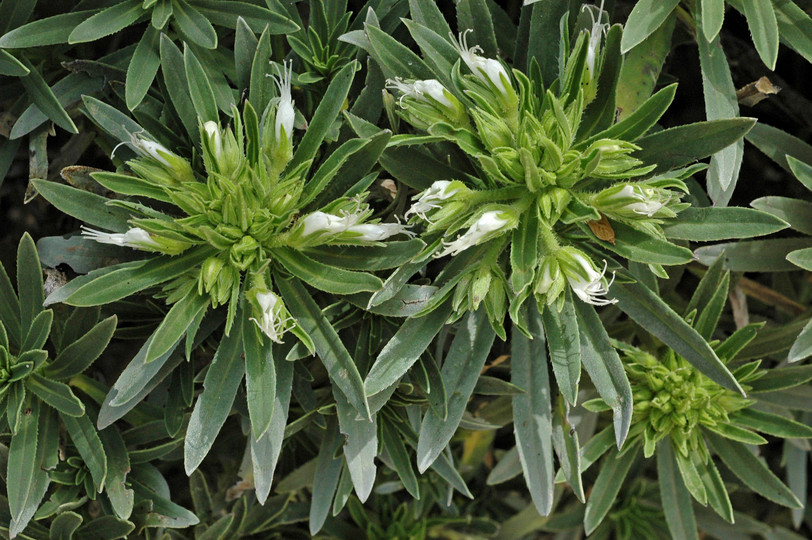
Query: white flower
[[487, 223], [375, 232], [284, 112], [595, 34], [421, 90], [134, 238], [486, 69], [584, 279], [638, 200], [213, 133], [321, 222], [274, 319], [427, 201]]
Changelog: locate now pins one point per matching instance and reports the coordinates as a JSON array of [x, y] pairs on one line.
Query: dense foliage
[[333, 268]]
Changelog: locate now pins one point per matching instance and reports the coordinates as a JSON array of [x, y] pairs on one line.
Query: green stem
[[549, 242]]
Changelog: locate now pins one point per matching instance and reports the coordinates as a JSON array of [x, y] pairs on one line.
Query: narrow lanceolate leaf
[[214, 403], [106, 22], [771, 424], [325, 480], [326, 278], [175, 324], [340, 365], [194, 25], [260, 377], [714, 223], [561, 328], [64, 526], [565, 444], [76, 357], [199, 88], [392, 442], [605, 369], [47, 31], [43, 97], [142, 68], [29, 282], [764, 29], [89, 207], [118, 466], [360, 445], [650, 312], [405, 347], [713, 15], [752, 471], [25, 474], [607, 485], [265, 451], [532, 416], [644, 19], [675, 497], [55, 394], [461, 368], [85, 438], [802, 347]]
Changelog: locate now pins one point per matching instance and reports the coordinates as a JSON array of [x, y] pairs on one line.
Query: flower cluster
[[249, 205], [541, 181]]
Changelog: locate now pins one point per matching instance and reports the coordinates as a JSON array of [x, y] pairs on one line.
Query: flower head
[[272, 317], [486, 227], [134, 238], [586, 281]]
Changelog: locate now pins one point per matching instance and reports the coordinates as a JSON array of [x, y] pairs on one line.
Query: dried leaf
[[751, 94]]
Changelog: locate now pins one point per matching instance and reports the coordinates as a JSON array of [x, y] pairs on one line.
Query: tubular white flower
[[213, 133], [274, 320], [284, 112], [595, 34], [152, 149], [375, 232], [486, 69], [428, 199], [322, 222], [422, 90], [638, 199], [585, 280], [487, 223], [134, 238]]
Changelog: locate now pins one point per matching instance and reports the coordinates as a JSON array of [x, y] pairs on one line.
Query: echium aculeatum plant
[[685, 418], [544, 177]]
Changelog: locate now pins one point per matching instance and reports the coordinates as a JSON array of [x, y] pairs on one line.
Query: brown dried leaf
[[757, 91], [602, 229]]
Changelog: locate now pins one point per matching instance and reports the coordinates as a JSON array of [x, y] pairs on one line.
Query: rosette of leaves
[[536, 191], [690, 421], [37, 355], [237, 234]]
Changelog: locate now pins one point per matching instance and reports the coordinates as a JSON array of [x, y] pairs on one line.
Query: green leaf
[[801, 258], [106, 528], [710, 312], [782, 378], [47, 31], [194, 25], [114, 283], [176, 323], [646, 17], [10, 309], [679, 146], [601, 113], [27, 477], [764, 29], [565, 444], [38, 333], [134, 378], [796, 212], [524, 251], [245, 45], [164, 513], [392, 442], [360, 445], [12, 67], [260, 87], [716, 223], [257, 18], [532, 416], [326, 113], [779, 145], [802, 347], [675, 498], [265, 451], [131, 185], [643, 247], [715, 489], [325, 278], [603, 365], [713, 15], [369, 258], [86, 440], [214, 403], [177, 85], [111, 120], [64, 526], [106, 22], [607, 485], [405, 347], [260, 377], [325, 480], [55, 394], [395, 59], [752, 471], [29, 282], [77, 356], [564, 344], [771, 424], [199, 88], [755, 255], [83, 205], [735, 433], [461, 367], [340, 365], [118, 466], [656, 317], [429, 15], [474, 14], [43, 97], [143, 67]]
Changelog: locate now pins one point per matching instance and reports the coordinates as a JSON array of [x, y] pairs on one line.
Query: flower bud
[[178, 167], [133, 238]]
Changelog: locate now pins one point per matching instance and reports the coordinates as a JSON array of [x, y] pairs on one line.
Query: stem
[[549, 242]]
